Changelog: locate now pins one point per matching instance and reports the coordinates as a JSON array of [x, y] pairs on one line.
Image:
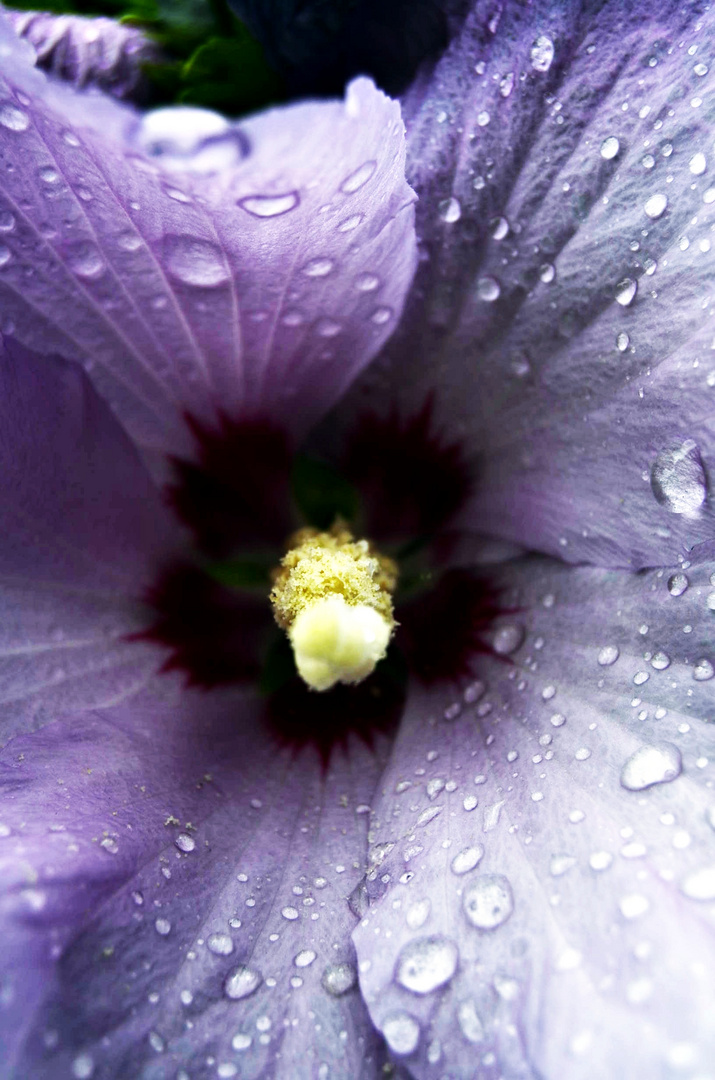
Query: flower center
[[332, 595]]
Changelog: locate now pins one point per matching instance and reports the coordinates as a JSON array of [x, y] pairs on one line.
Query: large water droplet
[[339, 978], [83, 1067], [467, 859], [698, 164], [270, 206], [450, 210], [678, 583], [426, 963], [402, 1033], [367, 282], [507, 639], [610, 147], [194, 261], [608, 655], [488, 288], [542, 53], [220, 944], [7, 221], [626, 291], [13, 118], [703, 670], [418, 913], [242, 982], [162, 926], [500, 228], [318, 268], [677, 479], [649, 765], [655, 205], [355, 180], [699, 884], [5, 254], [304, 958], [488, 902], [86, 261]]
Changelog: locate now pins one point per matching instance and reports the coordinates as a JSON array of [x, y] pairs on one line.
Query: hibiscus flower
[[519, 881]]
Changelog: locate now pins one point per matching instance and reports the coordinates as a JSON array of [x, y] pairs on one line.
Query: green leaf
[[321, 493], [229, 74]]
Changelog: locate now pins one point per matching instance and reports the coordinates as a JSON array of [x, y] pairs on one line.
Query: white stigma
[[334, 641]]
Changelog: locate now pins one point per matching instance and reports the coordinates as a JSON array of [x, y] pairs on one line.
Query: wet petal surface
[[543, 906], [193, 265], [563, 161]]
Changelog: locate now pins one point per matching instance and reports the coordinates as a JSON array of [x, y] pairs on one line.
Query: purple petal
[[194, 880], [84, 533], [264, 286], [543, 906], [530, 148], [87, 52]]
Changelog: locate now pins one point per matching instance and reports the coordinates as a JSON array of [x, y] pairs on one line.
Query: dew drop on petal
[[83, 1067], [426, 963], [608, 655], [622, 341], [649, 765], [698, 164], [240, 1041], [351, 223], [488, 902], [162, 926], [401, 1032], [357, 179], [610, 147], [270, 206], [633, 905], [7, 221], [5, 254], [677, 479], [450, 210], [367, 282], [699, 884], [506, 84], [488, 289], [12, 118], [626, 291], [542, 53], [507, 639], [467, 860], [318, 268], [418, 913], [337, 979], [220, 944], [703, 670], [185, 843], [469, 1022], [304, 958], [194, 261], [500, 228], [86, 261], [547, 273], [655, 205], [678, 583], [381, 315], [241, 983], [660, 661]]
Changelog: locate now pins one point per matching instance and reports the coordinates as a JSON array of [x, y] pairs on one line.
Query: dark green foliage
[[321, 493]]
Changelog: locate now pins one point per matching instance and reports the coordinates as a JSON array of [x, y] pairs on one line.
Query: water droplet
[[488, 902], [86, 261], [241, 1041], [242, 982], [700, 69], [506, 85], [622, 341], [488, 288], [289, 913], [469, 1022], [351, 223], [162, 926], [339, 978], [220, 944], [542, 53], [13, 118], [500, 228], [649, 765], [660, 661], [7, 221], [600, 860], [626, 291], [703, 670], [699, 884], [426, 963], [367, 282], [655, 206], [109, 844], [678, 584], [83, 1067], [450, 210], [357, 179], [184, 842], [677, 479], [547, 273], [467, 859], [402, 1033], [610, 147], [608, 655], [381, 315], [194, 261], [270, 206], [318, 268], [641, 677], [633, 906], [5, 254], [698, 164], [418, 913], [304, 958]]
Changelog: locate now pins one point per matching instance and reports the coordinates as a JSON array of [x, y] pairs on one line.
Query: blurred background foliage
[[237, 56]]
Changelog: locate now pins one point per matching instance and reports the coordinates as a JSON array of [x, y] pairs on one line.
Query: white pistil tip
[[338, 642]]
